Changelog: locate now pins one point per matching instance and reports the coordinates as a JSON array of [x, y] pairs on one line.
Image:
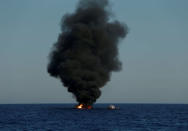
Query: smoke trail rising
[[86, 51]]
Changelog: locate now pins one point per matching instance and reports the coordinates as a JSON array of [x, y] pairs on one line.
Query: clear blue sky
[[154, 54]]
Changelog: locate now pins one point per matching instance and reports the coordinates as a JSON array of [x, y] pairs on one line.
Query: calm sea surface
[[62, 117]]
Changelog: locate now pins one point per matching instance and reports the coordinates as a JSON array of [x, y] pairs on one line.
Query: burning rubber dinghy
[[82, 106]]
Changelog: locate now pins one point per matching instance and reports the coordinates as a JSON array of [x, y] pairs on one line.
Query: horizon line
[[38, 103]]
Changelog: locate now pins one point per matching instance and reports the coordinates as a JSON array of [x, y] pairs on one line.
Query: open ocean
[[63, 117]]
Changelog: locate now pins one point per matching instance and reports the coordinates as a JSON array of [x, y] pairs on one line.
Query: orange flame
[[82, 106]]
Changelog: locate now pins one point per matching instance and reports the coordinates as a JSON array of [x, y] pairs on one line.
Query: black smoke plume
[[86, 51]]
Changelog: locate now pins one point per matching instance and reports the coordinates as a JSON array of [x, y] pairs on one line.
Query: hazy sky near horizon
[[154, 54]]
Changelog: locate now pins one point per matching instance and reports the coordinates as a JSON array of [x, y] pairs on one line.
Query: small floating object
[[112, 107]]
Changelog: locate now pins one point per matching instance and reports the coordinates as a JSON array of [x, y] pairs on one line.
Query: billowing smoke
[[86, 51]]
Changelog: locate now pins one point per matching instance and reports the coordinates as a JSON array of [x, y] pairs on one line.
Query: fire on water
[[82, 106]]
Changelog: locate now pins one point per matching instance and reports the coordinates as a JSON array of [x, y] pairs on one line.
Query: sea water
[[64, 117]]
